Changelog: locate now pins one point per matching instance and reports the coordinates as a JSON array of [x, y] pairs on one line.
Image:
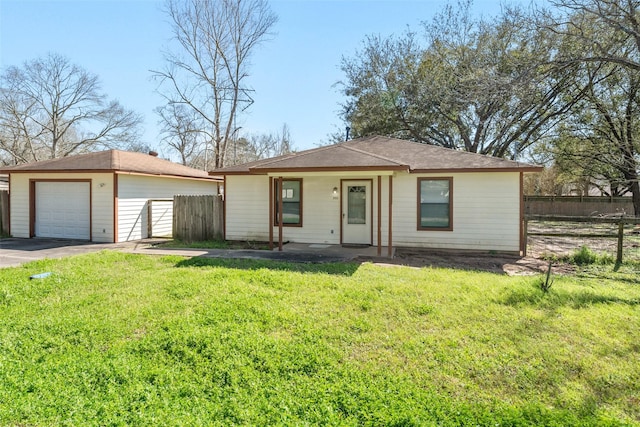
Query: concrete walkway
[[15, 252], [292, 252]]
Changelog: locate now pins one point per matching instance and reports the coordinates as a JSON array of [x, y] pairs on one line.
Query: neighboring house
[[379, 191], [101, 197], [4, 182]]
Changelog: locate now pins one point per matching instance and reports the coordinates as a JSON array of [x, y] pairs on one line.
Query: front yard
[[122, 339]]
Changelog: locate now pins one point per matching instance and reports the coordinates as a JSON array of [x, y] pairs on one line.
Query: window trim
[[275, 202], [418, 216]]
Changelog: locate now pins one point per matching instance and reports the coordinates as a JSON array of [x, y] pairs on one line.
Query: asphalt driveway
[[14, 252]]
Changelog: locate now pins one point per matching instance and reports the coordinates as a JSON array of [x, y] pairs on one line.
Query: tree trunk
[[635, 196]]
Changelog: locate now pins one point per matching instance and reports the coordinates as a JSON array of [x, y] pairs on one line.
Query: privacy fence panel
[[197, 218], [577, 206], [4, 212]]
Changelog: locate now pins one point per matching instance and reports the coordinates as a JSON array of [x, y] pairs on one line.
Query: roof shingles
[[111, 161], [379, 153]]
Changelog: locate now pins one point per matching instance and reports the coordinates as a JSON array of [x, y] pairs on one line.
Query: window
[[435, 204], [357, 204], [291, 202]]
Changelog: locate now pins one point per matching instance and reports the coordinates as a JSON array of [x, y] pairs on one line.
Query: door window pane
[[357, 204]]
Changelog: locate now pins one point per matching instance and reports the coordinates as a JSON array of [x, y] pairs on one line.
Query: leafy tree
[[207, 71], [477, 85], [52, 108], [600, 138]]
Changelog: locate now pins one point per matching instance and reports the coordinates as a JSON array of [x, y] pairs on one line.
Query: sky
[[293, 75]]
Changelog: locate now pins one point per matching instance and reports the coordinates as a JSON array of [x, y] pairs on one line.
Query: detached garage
[[101, 197]]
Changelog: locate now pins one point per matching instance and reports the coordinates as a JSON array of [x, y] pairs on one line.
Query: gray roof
[[111, 161], [379, 153]]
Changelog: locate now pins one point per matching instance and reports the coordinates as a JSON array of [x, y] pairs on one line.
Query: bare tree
[[207, 74], [52, 108], [181, 131], [263, 146]]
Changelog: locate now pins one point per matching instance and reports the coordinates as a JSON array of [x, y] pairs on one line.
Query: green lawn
[[122, 339]]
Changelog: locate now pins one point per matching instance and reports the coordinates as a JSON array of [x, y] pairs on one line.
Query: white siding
[[247, 210], [320, 213], [161, 218], [247, 207], [101, 202], [486, 213], [134, 191]]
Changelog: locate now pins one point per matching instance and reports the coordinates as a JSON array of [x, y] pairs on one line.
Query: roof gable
[[379, 153], [111, 161]]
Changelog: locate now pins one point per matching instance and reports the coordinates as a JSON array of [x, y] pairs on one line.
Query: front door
[[356, 212]]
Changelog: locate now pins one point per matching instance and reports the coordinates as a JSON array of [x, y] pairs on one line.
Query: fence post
[[620, 242], [525, 237]]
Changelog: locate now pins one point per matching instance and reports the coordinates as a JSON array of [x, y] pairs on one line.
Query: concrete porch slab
[[348, 252]]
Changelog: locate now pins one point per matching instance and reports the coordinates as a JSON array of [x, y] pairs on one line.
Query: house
[[102, 197], [378, 191]]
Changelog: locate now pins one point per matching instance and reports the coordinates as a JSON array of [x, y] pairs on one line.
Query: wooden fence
[[4, 212], [577, 206], [197, 218]]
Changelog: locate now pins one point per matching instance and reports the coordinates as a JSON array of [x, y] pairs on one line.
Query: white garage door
[[62, 210]]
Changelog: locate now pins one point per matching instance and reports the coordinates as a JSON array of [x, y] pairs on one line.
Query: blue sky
[[293, 75]]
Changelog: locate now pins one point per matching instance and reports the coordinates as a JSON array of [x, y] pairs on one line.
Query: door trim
[[342, 181]]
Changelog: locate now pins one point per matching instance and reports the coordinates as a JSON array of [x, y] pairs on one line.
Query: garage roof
[[111, 161]]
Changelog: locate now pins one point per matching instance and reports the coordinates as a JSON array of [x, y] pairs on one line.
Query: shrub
[[584, 256]]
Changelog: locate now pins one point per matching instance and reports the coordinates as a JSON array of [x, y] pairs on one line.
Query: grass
[[123, 339]]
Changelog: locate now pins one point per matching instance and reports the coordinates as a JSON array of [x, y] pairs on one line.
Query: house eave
[[478, 170]]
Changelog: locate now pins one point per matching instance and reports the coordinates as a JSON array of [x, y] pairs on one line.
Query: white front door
[[356, 212]]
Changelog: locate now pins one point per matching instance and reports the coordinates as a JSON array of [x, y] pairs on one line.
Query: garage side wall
[[101, 202], [134, 192]]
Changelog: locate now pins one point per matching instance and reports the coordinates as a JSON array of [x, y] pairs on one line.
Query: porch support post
[[523, 239], [280, 215], [390, 240], [379, 222], [270, 213]]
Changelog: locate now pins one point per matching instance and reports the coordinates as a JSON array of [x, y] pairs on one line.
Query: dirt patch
[[476, 261]]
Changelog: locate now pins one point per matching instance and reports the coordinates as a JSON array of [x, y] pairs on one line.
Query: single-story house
[[378, 191], [101, 197]]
